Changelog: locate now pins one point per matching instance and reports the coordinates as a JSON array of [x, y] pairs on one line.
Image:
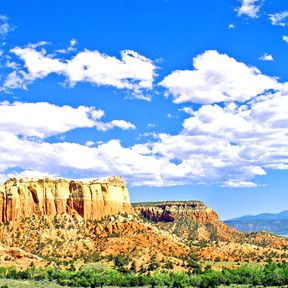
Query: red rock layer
[[189, 219]]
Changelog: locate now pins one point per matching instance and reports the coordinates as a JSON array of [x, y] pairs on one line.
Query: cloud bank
[[239, 130], [43, 119], [217, 78]]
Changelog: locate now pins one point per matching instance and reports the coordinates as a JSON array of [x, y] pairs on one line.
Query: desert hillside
[[63, 222], [190, 220]]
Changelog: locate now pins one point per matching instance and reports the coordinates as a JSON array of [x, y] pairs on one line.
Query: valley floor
[[12, 283]]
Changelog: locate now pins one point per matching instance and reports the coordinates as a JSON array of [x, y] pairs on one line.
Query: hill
[[201, 229], [275, 223]]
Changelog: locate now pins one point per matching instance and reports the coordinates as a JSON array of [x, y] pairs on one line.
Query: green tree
[[133, 266], [169, 265], [193, 264], [154, 264]]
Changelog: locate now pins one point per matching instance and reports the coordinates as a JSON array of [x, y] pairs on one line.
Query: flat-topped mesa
[[191, 220], [190, 204], [91, 199], [168, 210]]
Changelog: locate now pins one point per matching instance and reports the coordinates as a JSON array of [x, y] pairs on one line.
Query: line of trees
[[270, 275]]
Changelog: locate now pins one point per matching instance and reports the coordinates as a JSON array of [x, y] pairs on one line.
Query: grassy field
[[28, 283]]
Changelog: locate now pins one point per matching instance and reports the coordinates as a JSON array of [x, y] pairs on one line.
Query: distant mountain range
[[276, 223]]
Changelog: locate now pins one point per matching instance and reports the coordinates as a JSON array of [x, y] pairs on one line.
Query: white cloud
[[133, 72], [225, 143], [217, 78], [110, 158], [188, 110], [237, 142], [73, 42], [29, 174], [38, 65], [124, 125], [249, 8], [70, 48], [105, 70], [279, 18], [266, 57], [15, 80], [37, 44], [285, 38], [239, 184], [5, 27], [89, 143], [43, 119], [217, 120]]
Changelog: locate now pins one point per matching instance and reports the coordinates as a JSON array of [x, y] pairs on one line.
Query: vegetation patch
[[271, 274]]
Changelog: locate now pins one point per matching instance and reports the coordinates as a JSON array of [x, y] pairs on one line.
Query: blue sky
[[185, 99]]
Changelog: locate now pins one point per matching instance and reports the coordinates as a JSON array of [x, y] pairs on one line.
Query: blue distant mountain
[[276, 223]]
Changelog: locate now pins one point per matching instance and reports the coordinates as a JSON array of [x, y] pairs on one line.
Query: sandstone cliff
[[90, 199], [173, 231]]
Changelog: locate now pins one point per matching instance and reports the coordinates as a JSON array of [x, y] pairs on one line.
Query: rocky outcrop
[[191, 220], [11, 256], [90, 199]]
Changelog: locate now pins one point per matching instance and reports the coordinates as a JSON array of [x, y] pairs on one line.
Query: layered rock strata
[[168, 211], [191, 220], [90, 199]]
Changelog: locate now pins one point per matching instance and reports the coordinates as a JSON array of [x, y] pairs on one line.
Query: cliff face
[[191, 220], [90, 199], [168, 211]]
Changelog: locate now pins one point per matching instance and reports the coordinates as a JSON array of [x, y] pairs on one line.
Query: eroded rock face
[[90, 199], [191, 220], [168, 211]]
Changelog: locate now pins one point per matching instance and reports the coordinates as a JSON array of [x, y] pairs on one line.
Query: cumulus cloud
[[217, 78], [232, 142], [133, 71], [266, 57], [227, 143], [249, 8], [43, 119], [109, 158], [279, 19]]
